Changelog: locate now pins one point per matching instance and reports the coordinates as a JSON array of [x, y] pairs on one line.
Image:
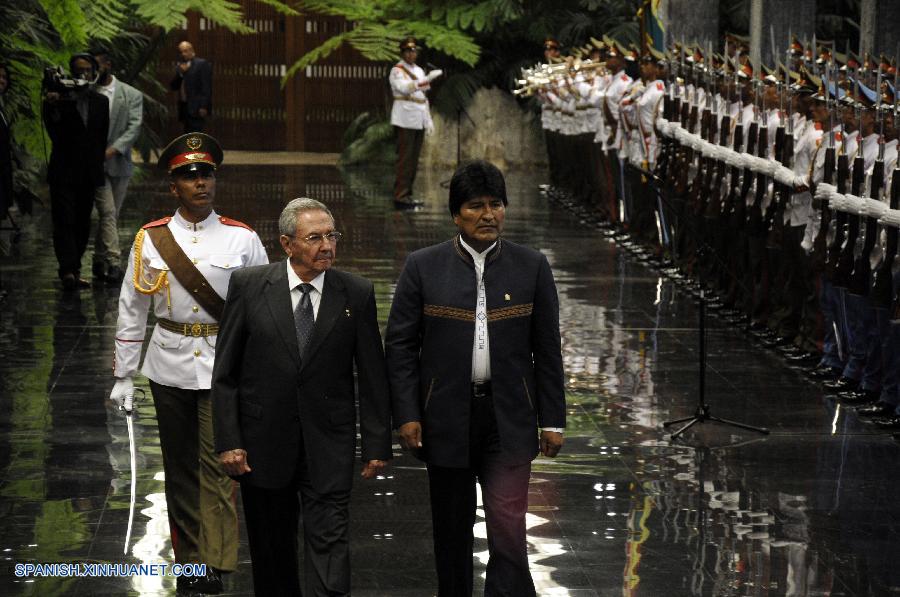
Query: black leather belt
[[481, 389], [197, 330]]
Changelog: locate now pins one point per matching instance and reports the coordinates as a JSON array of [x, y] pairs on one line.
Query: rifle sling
[[185, 271]]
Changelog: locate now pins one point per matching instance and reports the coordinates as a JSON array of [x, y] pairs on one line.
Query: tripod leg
[[694, 421], [740, 425], [677, 421]]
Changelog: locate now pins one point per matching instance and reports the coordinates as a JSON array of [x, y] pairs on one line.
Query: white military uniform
[[807, 137], [217, 246], [614, 92], [410, 109], [649, 108]]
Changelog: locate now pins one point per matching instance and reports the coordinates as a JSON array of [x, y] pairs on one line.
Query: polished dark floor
[[811, 509]]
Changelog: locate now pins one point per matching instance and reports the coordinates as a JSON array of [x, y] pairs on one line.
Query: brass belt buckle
[[196, 330]]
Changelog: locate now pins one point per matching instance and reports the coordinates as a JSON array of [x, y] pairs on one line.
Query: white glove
[[762, 165], [662, 125], [432, 75], [784, 175], [733, 158], [875, 208], [891, 218], [854, 204], [824, 192], [837, 202], [771, 168], [746, 160], [800, 181], [123, 393]]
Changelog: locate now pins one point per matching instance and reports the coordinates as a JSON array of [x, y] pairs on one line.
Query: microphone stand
[[703, 412], [460, 112]]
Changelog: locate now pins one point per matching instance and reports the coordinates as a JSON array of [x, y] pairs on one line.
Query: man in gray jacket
[[125, 115]]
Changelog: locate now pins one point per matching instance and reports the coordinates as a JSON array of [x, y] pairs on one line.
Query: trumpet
[[543, 74]]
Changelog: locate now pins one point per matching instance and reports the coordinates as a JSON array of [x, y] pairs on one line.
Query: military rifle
[[714, 206], [859, 279], [882, 287], [729, 206], [882, 284], [695, 191], [755, 216], [784, 154], [740, 208], [820, 243], [712, 132], [841, 218], [844, 264]]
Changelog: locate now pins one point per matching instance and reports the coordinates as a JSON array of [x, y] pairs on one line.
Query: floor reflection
[[808, 510]]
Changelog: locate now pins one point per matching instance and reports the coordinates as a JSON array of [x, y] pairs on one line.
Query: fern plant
[[478, 44], [35, 34]]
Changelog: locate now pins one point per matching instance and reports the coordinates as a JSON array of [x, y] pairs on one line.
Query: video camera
[[55, 80]]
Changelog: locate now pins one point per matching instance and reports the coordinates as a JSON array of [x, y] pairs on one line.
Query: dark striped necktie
[[304, 320]]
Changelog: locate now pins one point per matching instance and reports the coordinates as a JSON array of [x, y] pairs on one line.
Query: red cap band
[[191, 157]]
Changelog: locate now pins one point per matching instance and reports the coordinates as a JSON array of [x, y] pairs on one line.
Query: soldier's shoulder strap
[[185, 271], [411, 74], [157, 223], [231, 222]]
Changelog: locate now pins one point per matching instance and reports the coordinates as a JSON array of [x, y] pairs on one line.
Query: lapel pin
[[506, 296], [347, 312]]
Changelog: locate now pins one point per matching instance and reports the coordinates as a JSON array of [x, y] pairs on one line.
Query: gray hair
[[287, 221]]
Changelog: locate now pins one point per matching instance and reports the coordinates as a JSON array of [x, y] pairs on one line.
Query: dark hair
[[86, 57], [477, 178], [100, 51]]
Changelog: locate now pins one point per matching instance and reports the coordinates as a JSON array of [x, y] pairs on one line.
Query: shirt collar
[[478, 257], [294, 280], [181, 222]]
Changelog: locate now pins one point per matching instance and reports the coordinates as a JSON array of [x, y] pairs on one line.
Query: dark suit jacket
[[197, 88], [78, 152], [429, 339], [265, 400]]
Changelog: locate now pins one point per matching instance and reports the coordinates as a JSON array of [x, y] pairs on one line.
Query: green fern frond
[[225, 13], [168, 15], [314, 56], [104, 18], [68, 19], [281, 7], [349, 9]]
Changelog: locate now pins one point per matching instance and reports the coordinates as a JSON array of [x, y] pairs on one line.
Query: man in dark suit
[[475, 367], [77, 123], [284, 405], [193, 82]]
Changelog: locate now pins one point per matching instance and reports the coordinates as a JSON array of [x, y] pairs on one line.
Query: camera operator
[[77, 120]]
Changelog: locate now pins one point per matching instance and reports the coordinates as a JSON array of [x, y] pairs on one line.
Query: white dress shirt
[[481, 354], [481, 350], [315, 295]]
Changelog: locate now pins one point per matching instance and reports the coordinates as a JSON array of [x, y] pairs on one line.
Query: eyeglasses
[[316, 239]]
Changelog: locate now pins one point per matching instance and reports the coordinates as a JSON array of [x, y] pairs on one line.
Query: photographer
[[77, 121]]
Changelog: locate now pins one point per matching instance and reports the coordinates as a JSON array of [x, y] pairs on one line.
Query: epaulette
[[230, 222], [159, 222]]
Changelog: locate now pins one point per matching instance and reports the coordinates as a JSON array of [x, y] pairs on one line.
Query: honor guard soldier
[[179, 268], [410, 118]]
